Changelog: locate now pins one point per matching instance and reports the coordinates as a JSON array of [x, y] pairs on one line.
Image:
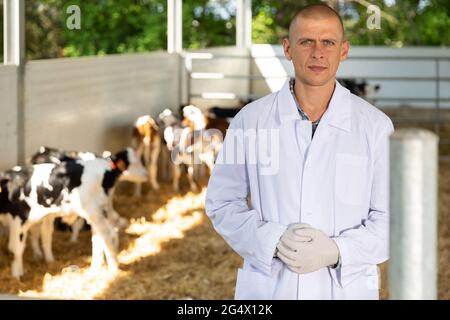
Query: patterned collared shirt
[[300, 110]]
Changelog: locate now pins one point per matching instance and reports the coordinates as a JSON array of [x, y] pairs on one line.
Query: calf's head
[[193, 118], [129, 163]]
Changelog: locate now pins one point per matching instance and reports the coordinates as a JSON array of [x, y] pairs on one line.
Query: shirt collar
[[338, 113], [291, 88]]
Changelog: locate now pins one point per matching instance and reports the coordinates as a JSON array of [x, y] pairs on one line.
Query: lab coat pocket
[[350, 182], [367, 285], [373, 278], [253, 285], [364, 286]]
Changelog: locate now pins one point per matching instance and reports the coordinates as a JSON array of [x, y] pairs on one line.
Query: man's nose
[[317, 52]]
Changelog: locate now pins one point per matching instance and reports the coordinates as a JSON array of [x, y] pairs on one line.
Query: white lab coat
[[337, 182]]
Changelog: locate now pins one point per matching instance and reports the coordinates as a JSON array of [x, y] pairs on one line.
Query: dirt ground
[[424, 118], [169, 251]]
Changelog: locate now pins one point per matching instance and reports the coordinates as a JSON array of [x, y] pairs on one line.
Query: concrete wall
[[87, 103], [90, 103], [8, 116]]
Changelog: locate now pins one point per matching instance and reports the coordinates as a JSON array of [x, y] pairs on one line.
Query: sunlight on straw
[[169, 222]]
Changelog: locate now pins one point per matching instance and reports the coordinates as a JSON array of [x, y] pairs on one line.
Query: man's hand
[[307, 256], [290, 236]]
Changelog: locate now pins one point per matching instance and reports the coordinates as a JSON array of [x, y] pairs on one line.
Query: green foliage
[[434, 25], [406, 23], [121, 26], [115, 26], [43, 25], [203, 26], [264, 29], [271, 19]]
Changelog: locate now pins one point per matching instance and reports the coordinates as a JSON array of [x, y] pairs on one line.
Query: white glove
[[290, 235], [304, 257]]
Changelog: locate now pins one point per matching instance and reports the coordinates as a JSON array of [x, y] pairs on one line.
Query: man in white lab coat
[[300, 188]]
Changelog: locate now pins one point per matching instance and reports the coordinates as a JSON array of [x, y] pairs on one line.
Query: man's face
[[316, 47]]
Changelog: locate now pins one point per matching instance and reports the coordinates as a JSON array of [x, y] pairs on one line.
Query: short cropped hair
[[313, 10]]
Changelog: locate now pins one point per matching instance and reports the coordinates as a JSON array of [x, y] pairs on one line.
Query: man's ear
[[286, 48], [344, 49]]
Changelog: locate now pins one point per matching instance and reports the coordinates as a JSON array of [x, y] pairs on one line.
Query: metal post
[[437, 124], [244, 24], [188, 69], [174, 26], [14, 54], [13, 32], [414, 208], [244, 35]]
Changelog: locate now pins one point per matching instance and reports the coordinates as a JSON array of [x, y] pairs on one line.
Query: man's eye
[[328, 43], [306, 42]]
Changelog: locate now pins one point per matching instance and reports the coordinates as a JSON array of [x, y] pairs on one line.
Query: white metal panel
[[8, 116], [225, 66], [267, 62]]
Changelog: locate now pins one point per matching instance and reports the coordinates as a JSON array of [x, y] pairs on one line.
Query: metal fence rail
[[436, 120], [189, 57]]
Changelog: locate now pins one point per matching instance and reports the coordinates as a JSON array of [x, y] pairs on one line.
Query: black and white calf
[[361, 88], [227, 112], [53, 155], [82, 187], [47, 154]]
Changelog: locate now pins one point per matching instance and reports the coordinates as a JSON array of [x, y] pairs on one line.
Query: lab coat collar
[[287, 109], [338, 113]]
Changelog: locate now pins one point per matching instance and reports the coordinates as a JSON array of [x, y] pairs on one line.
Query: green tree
[[116, 26], [271, 19], [121, 26], [433, 23], [405, 23], [43, 26], [208, 24]]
